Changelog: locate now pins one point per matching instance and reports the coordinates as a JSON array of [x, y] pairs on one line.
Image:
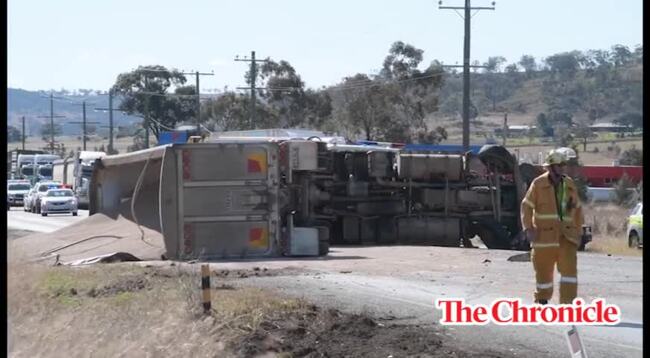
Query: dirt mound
[[127, 285], [331, 333], [94, 236]]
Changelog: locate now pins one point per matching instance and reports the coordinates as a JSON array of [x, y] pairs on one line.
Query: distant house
[[514, 130], [608, 127]]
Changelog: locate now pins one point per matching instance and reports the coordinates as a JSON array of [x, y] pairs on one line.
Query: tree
[[289, 103], [583, 131], [13, 134], [391, 106], [226, 113], [401, 62], [622, 192], [145, 93], [565, 64], [527, 62], [544, 125], [631, 157], [431, 137], [494, 64], [413, 93], [46, 130], [632, 120], [621, 55]]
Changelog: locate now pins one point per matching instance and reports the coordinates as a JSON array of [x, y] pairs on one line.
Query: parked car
[[16, 192], [59, 201], [635, 227], [37, 193], [27, 200]]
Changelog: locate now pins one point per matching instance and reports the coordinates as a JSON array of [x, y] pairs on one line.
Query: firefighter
[[552, 219]]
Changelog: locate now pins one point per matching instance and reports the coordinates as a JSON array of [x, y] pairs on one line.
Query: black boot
[[542, 302]]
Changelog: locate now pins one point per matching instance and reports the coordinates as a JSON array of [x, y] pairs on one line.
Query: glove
[[530, 235]]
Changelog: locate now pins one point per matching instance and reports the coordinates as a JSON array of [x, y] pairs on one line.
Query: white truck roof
[[86, 155]]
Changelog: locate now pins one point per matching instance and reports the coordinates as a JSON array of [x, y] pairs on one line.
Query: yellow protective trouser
[[544, 258]]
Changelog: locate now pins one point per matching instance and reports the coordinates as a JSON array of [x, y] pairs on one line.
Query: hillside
[[35, 104]]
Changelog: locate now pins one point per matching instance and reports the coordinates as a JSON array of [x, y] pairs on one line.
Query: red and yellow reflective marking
[[258, 238], [257, 163]]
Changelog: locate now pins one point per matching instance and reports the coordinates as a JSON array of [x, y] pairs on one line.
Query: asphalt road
[[400, 283], [21, 220]]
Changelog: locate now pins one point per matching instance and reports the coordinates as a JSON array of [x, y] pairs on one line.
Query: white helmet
[[568, 153]]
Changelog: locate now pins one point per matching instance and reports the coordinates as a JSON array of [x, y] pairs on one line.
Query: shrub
[[632, 157]]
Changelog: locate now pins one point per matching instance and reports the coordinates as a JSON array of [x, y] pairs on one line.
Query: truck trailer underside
[[261, 198]]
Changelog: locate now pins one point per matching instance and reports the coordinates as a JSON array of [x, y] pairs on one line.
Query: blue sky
[[85, 44]]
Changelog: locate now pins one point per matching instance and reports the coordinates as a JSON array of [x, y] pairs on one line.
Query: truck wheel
[[323, 247], [492, 235], [633, 240]]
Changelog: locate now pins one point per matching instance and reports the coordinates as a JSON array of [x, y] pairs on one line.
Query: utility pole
[[110, 121], [466, 58], [84, 123], [23, 132], [505, 128], [146, 114], [198, 97], [51, 117], [253, 79]]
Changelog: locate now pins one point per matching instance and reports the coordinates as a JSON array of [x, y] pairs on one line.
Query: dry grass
[[609, 228], [126, 310]]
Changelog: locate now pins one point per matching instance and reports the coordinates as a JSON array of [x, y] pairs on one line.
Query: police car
[[635, 227]]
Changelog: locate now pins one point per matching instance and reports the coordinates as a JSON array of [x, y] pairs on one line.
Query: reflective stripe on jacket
[[540, 211]]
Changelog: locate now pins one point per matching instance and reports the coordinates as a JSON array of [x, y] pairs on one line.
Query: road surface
[[21, 220], [400, 283]]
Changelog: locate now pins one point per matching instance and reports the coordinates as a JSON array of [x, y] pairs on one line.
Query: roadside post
[[205, 286]]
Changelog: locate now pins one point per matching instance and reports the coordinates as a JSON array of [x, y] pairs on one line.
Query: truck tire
[[497, 156], [323, 247], [633, 240], [493, 235]]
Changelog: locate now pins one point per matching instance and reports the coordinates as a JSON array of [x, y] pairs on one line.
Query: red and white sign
[[512, 311]]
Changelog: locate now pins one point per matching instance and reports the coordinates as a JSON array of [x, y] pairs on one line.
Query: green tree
[[527, 62], [621, 55], [289, 103], [544, 125], [145, 92], [565, 64], [227, 112]]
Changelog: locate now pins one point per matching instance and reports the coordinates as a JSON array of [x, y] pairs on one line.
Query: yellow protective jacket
[[539, 211]]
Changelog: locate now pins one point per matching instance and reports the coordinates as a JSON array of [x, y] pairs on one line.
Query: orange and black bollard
[[205, 285]]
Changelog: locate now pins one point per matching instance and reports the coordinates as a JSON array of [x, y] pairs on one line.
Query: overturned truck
[[235, 198]]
